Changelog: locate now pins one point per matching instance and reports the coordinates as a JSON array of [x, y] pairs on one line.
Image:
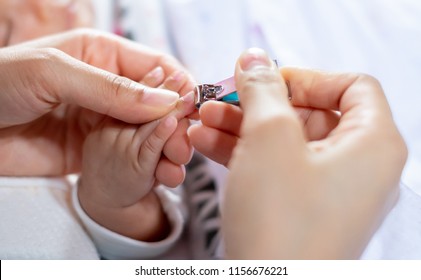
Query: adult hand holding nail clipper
[[290, 195]]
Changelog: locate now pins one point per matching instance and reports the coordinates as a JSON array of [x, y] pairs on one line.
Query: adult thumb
[[263, 95], [103, 92]]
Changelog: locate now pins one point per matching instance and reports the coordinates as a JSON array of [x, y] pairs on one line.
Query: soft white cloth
[[111, 245], [38, 221], [399, 235]]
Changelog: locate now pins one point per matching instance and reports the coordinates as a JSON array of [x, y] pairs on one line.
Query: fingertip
[[261, 88], [178, 147], [185, 105], [194, 116], [253, 58], [188, 86], [204, 107], [212, 143], [222, 116], [207, 108], [170, 174], [192, 130], [154, 78], [175, 81]]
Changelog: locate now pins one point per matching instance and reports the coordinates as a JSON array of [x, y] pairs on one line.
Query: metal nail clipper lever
[[224, 91]]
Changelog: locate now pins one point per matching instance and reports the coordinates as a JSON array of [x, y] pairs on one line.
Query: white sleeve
[[112, 245]]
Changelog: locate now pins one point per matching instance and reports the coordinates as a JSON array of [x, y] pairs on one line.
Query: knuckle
[[154, 144], [89, 36], [402, 152], [125, 96], [279, 121], [122, 86], [261, 75], [84, 32], [261, 79], [284, 119], [368, 80], [48, 55], [45, 63], [151, 146], [398, 149], [392, 148], [168, 60]]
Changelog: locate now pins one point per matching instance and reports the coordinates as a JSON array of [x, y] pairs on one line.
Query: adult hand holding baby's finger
[[57, 88]]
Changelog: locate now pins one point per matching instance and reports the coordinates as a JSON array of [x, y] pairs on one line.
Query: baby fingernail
[[157, 72]]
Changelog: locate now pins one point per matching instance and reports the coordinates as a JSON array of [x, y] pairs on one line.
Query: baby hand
[[178, 148], [118, 173]]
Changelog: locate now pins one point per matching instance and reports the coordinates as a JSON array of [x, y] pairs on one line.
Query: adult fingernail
[[160, 97], [253, 58]]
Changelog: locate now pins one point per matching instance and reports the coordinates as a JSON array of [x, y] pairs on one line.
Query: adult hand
[[54, 89], [289, 195]]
